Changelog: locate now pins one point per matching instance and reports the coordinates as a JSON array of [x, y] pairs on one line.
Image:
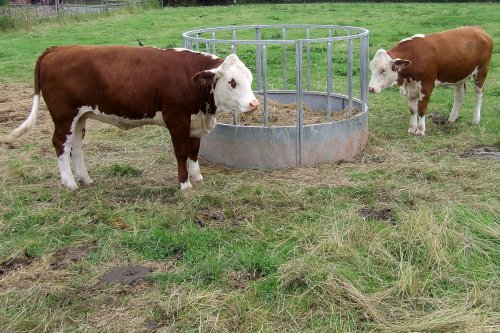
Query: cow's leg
[[77, 153], [193, 166], [425, 95], [457, 103], [479, 78], [413, 104], [179, 131], [62, 140]]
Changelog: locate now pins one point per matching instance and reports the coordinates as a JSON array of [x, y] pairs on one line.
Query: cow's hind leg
[[193, 165], [457, 103], [62, 140], [413, 104], [77, 153], [179, 132], [479, 78]]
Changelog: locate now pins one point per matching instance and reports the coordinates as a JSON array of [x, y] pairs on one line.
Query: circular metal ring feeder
[[338, 83]]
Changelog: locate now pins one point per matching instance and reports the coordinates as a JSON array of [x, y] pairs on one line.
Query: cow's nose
[[371, 90], [254, 105]]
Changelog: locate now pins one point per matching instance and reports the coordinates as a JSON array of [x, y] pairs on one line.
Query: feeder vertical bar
[[349, 74], [207, 47], [233, 45], [366, 42], [258, 58], [184, 43], [308, 34], [284, 57], [362, 69], [264, 87], [197, 42], [299, 118], [329, 81], [213, 41]]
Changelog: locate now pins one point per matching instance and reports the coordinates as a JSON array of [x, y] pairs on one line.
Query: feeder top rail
[[351, 33]]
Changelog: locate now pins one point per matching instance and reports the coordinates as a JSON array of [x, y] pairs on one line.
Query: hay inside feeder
[[284, 115]]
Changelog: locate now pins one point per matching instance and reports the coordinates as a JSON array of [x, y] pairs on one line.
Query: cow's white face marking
[[201, 123], [414, 36], [233, 91], [383, 73]]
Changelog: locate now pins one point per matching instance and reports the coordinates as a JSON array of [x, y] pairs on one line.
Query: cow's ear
[[206, 78], [400, 64]]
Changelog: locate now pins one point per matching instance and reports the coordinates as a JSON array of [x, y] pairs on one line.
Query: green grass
[[253, 250]]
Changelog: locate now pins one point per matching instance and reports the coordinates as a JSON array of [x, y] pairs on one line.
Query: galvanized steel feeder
[[262, 46]]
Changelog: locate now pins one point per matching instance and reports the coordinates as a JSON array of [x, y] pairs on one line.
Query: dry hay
[[283, 115]]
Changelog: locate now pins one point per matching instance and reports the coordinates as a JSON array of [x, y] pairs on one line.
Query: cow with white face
[[128, 87], [420, 63]]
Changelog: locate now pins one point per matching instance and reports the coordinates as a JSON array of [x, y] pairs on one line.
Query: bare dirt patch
[[67, 256], [482, 151], [283, 115], [438, 118], [131, 275], [15, 263], [240, 279], [380, 214]]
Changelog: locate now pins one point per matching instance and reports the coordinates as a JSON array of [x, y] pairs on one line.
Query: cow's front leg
[[193, 165], [179, 131], [425, 94], [457, 103], [413, 104]]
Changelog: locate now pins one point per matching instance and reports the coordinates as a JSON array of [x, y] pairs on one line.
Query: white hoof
[[420, 132], [197, 178], [475, 122], [70, 185], [452, 119], [86, 181], [186, 186], [412, 130]]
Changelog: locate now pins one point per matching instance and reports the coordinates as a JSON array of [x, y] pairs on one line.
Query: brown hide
[[449, 56]]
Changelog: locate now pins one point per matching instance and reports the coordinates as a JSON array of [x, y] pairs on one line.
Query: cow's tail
[[28, 125]]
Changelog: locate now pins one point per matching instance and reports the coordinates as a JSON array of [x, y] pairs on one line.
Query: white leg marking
[[413, 104], [457, 103], [421, 126], [77, 153], [186, 186], [479, 101], [65, 167], [194, 170]]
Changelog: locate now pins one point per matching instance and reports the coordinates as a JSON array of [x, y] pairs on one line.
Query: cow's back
[[125, 81], [448, 56]]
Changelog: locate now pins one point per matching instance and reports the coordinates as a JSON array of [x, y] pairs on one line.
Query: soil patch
[[15, 263], [283, 115], [438, 118], [239, 279], [380, 214], [131, 275], [67, 256], [485, 152]]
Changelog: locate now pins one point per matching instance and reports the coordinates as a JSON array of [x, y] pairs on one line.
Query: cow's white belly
[[121, 122]]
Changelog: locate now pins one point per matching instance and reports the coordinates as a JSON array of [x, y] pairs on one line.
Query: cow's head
[[231, 85], [385, 71]]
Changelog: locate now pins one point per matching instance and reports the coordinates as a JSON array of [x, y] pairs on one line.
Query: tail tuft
[[27, 125]]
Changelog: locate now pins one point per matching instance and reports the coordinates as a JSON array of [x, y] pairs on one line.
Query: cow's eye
[[382, 71], [232, 83]]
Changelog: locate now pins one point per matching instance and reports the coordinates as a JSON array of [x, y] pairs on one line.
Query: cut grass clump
[[124, 170]]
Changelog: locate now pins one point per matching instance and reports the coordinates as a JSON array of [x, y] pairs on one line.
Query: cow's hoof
[[86, 182], [197, 178], [452, 120], [70, 186], [412, 130], [419, 132], [475, 122], [186, 186]]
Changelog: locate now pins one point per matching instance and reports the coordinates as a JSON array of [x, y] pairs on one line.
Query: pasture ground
[[404, 238]]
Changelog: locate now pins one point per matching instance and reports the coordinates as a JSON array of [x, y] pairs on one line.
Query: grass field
[[252, 250]]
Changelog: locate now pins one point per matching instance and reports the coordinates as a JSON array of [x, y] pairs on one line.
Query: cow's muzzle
[[253, 105]]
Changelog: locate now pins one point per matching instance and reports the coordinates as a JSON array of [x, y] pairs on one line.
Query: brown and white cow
[[419, 63], [129, 87]]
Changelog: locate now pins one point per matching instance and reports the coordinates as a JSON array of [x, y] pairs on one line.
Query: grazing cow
[[134, 86], [419, 63]]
